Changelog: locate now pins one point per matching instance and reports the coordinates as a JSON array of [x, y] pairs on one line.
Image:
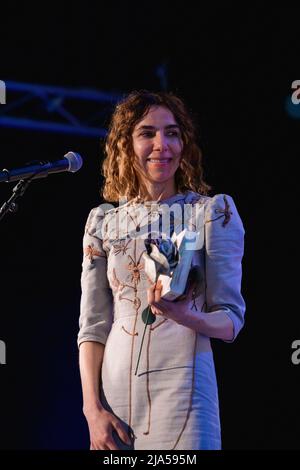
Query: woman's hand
[[218, 325], [178, 310], [101, 426]]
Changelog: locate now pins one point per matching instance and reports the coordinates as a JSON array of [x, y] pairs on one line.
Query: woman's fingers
[[154, 292], [96, 446], [122, 433], [111, 445], [157, 291], [102, 434], [150, 295], [155, 310]]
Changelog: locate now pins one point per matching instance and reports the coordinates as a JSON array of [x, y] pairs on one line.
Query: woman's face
[[157, 145]]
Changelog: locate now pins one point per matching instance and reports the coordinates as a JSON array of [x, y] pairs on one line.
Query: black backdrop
[[235, 70]]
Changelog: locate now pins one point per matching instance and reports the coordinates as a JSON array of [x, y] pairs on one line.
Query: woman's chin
[[160, 178]]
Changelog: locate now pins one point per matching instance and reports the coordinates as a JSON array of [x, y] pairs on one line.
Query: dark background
[[234, 69]]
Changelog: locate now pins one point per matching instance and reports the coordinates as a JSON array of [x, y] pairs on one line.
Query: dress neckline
[[168, 200]]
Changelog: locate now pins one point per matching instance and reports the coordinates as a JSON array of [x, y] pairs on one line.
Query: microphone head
[[75, 161]]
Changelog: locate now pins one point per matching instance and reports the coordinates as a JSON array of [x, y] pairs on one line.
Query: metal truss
[[54, 109]]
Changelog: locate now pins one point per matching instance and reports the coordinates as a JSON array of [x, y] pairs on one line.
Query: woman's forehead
[[157, 115]]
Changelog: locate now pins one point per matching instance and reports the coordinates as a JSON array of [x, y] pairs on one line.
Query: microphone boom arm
[[18, 191]]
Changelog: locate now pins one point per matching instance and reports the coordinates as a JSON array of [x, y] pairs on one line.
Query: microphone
[[71, 162]]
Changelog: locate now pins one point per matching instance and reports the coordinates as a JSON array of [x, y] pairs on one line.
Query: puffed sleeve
[[96, 306], [224, 249]]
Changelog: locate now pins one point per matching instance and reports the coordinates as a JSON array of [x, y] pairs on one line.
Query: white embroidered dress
[[172, 403]]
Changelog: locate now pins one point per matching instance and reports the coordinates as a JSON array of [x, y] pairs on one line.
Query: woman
[[153, 161]]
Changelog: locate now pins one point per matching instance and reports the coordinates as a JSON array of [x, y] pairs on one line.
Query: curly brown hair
[[121, 179]]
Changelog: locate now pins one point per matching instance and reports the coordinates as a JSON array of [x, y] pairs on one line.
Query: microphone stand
[[18, 191]]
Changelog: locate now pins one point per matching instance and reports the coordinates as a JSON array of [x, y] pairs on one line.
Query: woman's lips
[[160, 162]]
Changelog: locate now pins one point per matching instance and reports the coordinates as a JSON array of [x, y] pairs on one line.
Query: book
[[174, 284]]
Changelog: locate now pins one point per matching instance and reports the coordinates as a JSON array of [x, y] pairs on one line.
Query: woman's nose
[[160, 141]]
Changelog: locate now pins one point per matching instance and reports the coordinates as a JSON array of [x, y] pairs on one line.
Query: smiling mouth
[[159, 161]]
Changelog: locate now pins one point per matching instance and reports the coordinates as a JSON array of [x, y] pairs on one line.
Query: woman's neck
[[159, 192]]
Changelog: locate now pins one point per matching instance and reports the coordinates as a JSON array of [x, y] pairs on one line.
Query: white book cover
[[174, 283]]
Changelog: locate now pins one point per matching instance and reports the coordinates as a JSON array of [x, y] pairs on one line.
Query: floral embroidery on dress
[[226, 211], [118, 285], [121, 246], [135, 268], [90, 251]]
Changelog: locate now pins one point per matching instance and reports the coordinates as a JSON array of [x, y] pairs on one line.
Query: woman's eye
[[152, 134], [173, 134], [147, 134]]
